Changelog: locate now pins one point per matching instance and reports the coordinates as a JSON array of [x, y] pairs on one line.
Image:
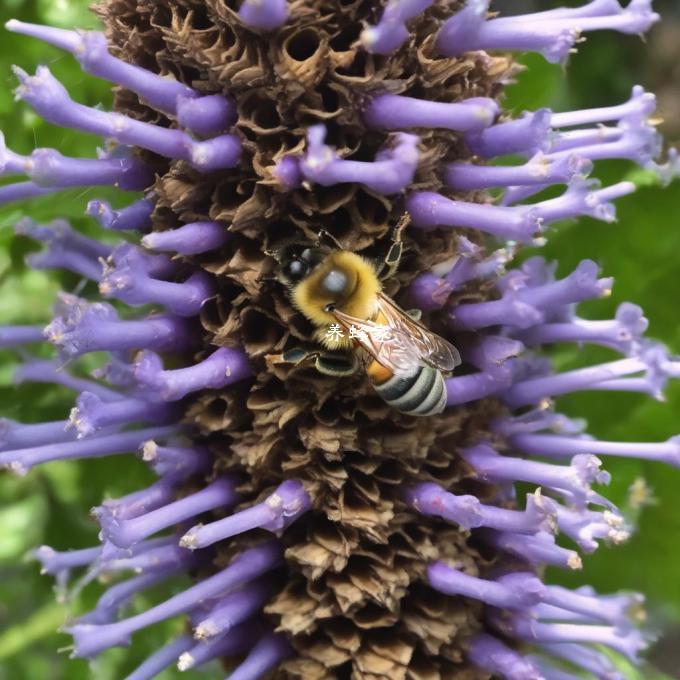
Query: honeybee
[[340, 292]]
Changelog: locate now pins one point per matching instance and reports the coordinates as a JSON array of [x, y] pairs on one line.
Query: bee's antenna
[[403, 222], [323, 233]]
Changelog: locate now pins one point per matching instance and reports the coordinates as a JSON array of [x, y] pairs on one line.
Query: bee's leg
[[391, 262], [338, 364], [297, 355]]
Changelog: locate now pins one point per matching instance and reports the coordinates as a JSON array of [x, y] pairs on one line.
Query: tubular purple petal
[[580, 199], [490, 351], [235, 642], [56, 258], [639, 107], [20, 461], [572, 140], [552, 36], [287, 173], [629, 645], [537, 420], [668, 171], [189, 239], [205, 116], [51, 170], [621, 333], [550, 295], [555, 41], [430, 291], [551, 672], [526, 591], [175, 461], [466, 388], [223, 367], [9, 193], [398, 112], [507, 311], [233, 609], [91, 49], [126, 532], [118, 595], [138, 503], [429, 210], [117, 372], [162, 659], [288, 502], [540, 170], [47, 371], [576, 478], [594, 8], [16, 336], [50, 99], [537, 550], [553, 445], [535, 390], [585, 527], [91, 414], [469, 513], [217, 153], [491, 655], [389, 173], [92, 327], [54, 562], [10, 163], [135, 287], [90, 640], [561, 604], [60, 564], [527, 135], [263, 15], [391, 32], [639, 144], [60, 233], [462, 29], [15, 435], [154, 555], [270, 650], [136, 216], [587, 658], [131, 257]]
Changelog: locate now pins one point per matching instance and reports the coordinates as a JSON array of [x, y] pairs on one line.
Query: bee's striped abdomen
[[422, 394]]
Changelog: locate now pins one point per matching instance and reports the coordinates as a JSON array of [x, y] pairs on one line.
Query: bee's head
[[298, 262]]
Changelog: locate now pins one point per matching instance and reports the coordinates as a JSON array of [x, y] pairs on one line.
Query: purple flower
[[553, 35], [391, 31], [391, 171], [379, 518]]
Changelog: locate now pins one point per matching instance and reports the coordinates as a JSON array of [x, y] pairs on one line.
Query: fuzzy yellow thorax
[[359, 301]]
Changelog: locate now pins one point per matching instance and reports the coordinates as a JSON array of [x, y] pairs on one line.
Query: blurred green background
[[641, 250]]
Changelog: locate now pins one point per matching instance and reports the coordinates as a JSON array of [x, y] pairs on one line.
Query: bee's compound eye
[[295, 270], [312, 256], [335, 281]]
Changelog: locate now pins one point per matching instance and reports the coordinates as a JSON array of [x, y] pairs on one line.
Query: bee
[[341, 293]]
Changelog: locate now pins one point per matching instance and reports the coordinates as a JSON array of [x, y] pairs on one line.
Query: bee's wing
[[388, 346], [430, 347]]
